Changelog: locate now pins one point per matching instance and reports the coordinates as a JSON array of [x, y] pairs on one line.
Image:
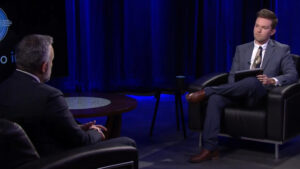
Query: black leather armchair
[[17, 152], [276, 121]]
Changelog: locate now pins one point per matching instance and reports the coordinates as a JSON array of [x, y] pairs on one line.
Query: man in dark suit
[[41, 109], [278, 69]]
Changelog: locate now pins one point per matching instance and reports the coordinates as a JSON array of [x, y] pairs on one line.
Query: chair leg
[[200, 140], [182, 115], [276, 151], [177, 111], [157, 96]]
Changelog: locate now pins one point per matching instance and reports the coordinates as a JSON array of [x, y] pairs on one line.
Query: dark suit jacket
[[277, 62], [42, 111]]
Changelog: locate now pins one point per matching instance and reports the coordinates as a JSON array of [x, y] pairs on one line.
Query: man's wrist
[[276, 83], [272, 81]]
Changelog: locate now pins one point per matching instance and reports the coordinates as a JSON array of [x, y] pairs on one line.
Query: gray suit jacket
[[277, 62]]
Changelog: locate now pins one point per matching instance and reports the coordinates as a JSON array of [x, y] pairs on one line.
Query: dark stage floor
[[168, 149]]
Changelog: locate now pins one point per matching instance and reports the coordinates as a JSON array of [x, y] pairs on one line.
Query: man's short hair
[[267, 14], [32, 51]]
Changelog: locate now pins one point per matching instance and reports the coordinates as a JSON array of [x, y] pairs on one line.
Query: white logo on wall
[[4, 24]]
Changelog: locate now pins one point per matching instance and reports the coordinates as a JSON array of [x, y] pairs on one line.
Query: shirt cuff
[[276, 82]]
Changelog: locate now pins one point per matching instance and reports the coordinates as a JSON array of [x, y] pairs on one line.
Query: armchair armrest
[[88, 157], [285, 91], [283, 117], [209, 80]]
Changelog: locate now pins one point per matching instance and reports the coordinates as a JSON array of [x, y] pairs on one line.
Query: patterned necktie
[[257, 60]]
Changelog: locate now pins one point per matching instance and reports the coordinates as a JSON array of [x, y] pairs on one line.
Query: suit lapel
[[268, 54], [248, 54]]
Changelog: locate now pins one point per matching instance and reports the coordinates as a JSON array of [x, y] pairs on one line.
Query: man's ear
[[44, 67], [273, 31]]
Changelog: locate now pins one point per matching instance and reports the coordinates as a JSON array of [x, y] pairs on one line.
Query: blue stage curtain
[[288, 29], [118, 45]]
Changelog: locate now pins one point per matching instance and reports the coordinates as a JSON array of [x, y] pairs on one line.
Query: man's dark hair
[[267, 14], [32, 51]]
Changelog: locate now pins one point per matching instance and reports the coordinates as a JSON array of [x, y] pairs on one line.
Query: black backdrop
[[34, 16]]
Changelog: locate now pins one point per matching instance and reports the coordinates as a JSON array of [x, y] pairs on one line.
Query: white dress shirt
[[264, 47]]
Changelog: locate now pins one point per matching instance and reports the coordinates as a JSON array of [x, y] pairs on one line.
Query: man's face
[[47, 74], [263, 30]]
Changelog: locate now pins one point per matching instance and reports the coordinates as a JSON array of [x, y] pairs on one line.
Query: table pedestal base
[[113, 124]]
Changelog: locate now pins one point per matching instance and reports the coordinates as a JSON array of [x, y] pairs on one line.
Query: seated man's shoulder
[[246, 45], [47, 89], [272, 42], [278, 44]]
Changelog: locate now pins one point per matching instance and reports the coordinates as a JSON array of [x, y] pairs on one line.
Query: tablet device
[[239, 75]]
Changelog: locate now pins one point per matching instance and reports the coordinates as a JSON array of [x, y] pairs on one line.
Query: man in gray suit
[[278, 70], [41, 109]]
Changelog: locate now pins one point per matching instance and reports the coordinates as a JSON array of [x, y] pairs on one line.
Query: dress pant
[[248, 91]]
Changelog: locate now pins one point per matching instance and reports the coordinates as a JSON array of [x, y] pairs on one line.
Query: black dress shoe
[[204, 156], [196, 97]]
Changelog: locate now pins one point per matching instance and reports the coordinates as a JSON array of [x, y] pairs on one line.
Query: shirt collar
[[30, 74], [264, 46]]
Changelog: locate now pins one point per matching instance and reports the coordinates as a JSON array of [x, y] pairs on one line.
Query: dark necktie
[[257, 60]]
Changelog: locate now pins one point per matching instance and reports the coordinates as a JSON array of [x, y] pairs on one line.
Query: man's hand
[[265, 80], [92, 126]]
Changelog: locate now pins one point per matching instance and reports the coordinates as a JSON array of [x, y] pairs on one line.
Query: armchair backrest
[[16, 148], [297, 62]]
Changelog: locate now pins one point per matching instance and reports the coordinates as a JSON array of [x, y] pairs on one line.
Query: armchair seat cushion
[[245, 122]]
